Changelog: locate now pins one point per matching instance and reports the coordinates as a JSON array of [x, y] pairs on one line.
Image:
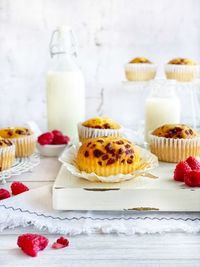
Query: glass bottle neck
[[163, 89], [64, 62]]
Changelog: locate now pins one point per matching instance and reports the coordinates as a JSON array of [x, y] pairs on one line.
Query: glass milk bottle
[[162, 106], [65, 85]]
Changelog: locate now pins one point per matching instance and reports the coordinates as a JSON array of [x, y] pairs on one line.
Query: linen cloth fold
[[34, 207]]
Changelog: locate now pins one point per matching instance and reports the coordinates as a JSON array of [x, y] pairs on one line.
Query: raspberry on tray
[[188, 171], [192, 178], [193, 163], [181, 169]]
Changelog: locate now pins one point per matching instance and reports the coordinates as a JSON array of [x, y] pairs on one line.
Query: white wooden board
[[141, 193]]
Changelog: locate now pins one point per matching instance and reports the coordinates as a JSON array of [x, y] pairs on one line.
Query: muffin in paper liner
[[184, 73], [22, 137], [7, 157], [147, 162], [108, 156], [174, 150], [25, 146], [86, 133], [140, 71]]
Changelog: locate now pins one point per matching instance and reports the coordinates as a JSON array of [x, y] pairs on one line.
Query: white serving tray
[[141, 193]]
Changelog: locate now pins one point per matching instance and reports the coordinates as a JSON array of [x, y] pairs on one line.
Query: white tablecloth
[[35, 208]]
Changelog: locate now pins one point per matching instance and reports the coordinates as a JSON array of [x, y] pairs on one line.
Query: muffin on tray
[[182, 69], [23, 139], [98, 126], [140, 69], [7, 154], [174, 142], [107, 156]]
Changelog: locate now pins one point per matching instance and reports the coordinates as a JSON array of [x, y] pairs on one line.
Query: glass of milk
[[65, 84], [162, 106]]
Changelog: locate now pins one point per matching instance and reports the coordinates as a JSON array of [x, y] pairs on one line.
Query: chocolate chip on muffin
[[97, 153], [110, 161], [105, 157], [86, 154]]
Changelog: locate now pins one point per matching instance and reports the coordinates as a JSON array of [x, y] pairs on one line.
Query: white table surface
[[173, 249]]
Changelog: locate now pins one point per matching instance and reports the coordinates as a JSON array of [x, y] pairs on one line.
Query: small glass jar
[[162, 106]]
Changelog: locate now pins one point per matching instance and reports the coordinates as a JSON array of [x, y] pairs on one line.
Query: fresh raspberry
[[4, 193], [66, 139], [193, 163], [18, 188], [181, 168], [60, 243], [61, 139], [57, 245], [32, 243], [192, 178], [45, 138], [56, 133], [63, 241]]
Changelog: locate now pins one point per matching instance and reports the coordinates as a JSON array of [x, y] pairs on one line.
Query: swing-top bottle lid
[[63, 41]]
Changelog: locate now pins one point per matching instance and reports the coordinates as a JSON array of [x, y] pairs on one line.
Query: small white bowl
[[51, 150]]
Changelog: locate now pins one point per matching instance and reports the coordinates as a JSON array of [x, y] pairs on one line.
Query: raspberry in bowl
[[51, 144]]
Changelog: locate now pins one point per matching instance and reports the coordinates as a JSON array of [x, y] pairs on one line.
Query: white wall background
[[110, 33]]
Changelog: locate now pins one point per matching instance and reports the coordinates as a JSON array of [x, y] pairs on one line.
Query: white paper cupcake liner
[[181, 72], [174, 150], [86, 132], [148, 161], [25, 146], [140, 71], [7, 157]]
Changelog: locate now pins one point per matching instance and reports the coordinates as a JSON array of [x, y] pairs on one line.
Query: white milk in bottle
[[65, 85], [162, 106]]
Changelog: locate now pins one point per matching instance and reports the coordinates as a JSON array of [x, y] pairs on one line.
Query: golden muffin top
[[101, 123], [108, 150], [15, 132], [140, 60], [175, 131], [182, 61], [5, 142]]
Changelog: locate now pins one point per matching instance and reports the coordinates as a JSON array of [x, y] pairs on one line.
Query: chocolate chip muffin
[[174, 142], [23, 139], [7, 154], [101, 123], [182, 61], [107, 156], [140, 69], [97, 127], [175, 131], [182, 69], [140, 60]]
